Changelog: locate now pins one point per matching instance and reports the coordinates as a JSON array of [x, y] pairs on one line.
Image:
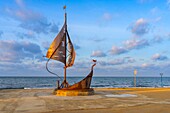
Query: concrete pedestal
[[70, 92]]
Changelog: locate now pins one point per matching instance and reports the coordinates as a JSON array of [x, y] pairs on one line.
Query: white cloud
[[31, 20], [132, 44], [144, 65], [136, 44], [98, 53], [159, 57], [24, 14], [13, 51], [117, 50], [118, 61], [129, 45], [140, 27], [113, 62], [21, 57]]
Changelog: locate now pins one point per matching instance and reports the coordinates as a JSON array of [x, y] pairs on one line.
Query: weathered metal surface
[[83, 84], [74, 92]]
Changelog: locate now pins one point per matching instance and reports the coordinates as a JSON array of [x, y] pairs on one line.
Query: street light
[[135, 73]]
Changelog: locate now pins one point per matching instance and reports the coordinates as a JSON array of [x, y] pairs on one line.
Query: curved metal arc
[[53, 54], [49, 60], [52, 72]]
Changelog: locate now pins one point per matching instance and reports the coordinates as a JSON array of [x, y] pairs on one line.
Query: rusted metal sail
[[71, 53], [56, 50], [59, 49]]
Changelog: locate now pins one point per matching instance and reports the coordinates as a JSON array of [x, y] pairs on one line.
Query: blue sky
[[122, 35]]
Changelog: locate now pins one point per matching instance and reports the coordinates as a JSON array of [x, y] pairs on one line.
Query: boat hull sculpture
[[63, 51], [81, 88]]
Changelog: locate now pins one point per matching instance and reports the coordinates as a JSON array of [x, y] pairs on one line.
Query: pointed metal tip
[[64, 7]]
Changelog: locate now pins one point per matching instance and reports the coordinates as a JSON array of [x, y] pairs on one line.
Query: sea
[[97, 82]]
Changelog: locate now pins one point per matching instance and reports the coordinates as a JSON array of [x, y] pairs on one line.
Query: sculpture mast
[[65, 83]]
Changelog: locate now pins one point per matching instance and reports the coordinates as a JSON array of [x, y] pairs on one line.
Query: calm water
[[50, 82]]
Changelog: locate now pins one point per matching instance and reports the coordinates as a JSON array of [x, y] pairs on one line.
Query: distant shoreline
[[83, 76], [92, 87], [97, 82]]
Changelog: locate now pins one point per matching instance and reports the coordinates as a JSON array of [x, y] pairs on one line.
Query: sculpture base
[[73, 92]]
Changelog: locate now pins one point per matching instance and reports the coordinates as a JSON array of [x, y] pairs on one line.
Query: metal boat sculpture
[[62, 50]]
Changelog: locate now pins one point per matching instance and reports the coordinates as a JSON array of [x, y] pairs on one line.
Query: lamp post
[[135, 73], [161, 79]]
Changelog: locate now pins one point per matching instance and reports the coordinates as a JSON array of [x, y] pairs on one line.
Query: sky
[[122, 35]]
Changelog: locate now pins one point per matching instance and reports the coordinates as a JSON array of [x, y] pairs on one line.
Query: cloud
[[13, 51], [113, 62], [76, 47], [157, 19], [82, 64], [29, 35], [168, 36], [1, 33], [129, 60], [31, 47], [98, 40], [38, 26], [21, 58], [140, 27], [132, 44], [54, 28], [159, 57], [154, 10], [157, 39], [107, 16], [129, 45], [31, 20], [136, 44], [20, 3], [119, 61], [23, 14], [98, 53], [118, 50], [168, 3], [24, 68], [146, 65], [46, 45]]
